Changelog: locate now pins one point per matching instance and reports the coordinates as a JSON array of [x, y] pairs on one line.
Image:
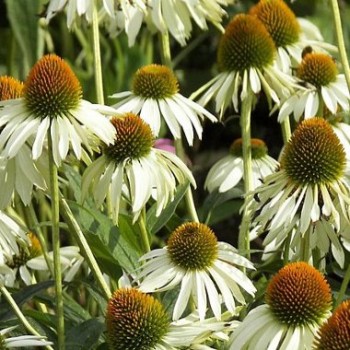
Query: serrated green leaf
[[155, 223], [105, 240], [130, 232]]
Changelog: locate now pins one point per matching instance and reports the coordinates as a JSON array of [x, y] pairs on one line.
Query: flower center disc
[[10, 88], [193, 246], [245, 44], [155, 81], [258, 147], [135, 320], [279, 20], [299, 294], [51, 89], [314, 154], [27, 253], [133, 138], [335, 332], [317, 69]]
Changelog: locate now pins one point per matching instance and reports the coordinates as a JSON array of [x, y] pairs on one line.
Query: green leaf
[[217, 200], [156, 223], [22, 296], [106, 242], [73, 310], [24, 19], [130, 232], [85, 335]]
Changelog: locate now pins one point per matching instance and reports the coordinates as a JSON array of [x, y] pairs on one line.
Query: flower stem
[[166, 60], [191, 208], [33, 223], [144, 234], [305, 246], [165, 49], [97, 55], [286, 131], [19, 314], [343, 287], [286, 248], [84, 246], [246, 109], [56, 245], [340, 38]]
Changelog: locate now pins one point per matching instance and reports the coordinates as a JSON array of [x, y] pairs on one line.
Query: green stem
[[286, 248], [84, 246], [34, 225], [165, 49], [166, 59], [19, 313], [146, 247], [191, 208], [56, 245], [305, 246], [97, 55], [343, 287], [246, 109], [286, 131], [340, 38]]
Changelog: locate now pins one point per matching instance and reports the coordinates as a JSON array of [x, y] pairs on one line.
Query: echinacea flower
[[132, 169], [30, 258], [136, 320], [155, 96], [76, 9], [21, 341], [20, 173], [228, 171], [52, 102], [323, 86], [289, 34], [175, 16], [10, 234], [10, 88], [298, 301], [204, 267], [246, 56], [309, 197], [123, 15], [342, 129], [335, 332]]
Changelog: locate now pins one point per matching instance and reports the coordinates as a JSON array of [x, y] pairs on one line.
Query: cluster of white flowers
[[299, 205]]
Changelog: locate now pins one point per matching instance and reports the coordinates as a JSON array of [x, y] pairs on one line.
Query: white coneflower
[[30, 258], [291, 35], [175, 16], [77, 8], [20, 173], [136, 320], [335, 332], [10, 233], [204, 267], [52, 102], [309, 196], [228, 171], [21, 341], [132, 169], [155, 96], [246, 56], [298, 301], [323, 86]]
